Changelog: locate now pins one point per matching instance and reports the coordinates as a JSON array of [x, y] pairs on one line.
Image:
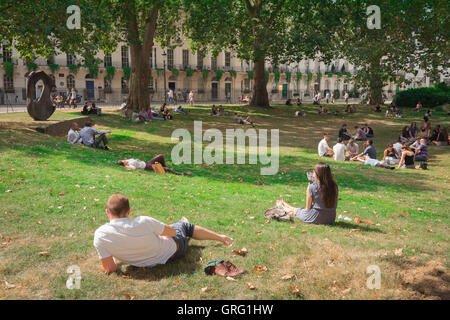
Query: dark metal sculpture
[[42, 108]]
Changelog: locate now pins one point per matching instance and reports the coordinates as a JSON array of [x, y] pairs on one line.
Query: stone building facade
[[222, 78]]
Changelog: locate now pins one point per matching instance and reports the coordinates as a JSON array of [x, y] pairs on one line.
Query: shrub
[[9, 68], [337, 94], [288, 76], [110, 71], [127, 72], [429, 97], [442, 86]]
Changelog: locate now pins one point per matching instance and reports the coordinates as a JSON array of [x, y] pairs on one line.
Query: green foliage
[[53, 67], [339, 74], [205, 75], [288, 76], [159, 72], [32, 66], [429, 97], [73, 68], [110, 71], [337, 94], [267, 75], [277, 76], [250, 74], [310, 76], [348, 74], [9, 68], [333, 69], [93, 70], [219, 74], [330, 74], [299, 76], [189, 72], [343, 69], [233, 73], [442, 86], [126, 72], [175, 72]]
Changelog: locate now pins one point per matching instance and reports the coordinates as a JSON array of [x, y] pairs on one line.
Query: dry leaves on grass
[[44, 253], [8, 191], [357, 220], [230, 279], [9, 285], [398, 252], [241, 252], [61, 194], [288, 277], [250, 286], [294, 289], [129, 297], [260, 268]]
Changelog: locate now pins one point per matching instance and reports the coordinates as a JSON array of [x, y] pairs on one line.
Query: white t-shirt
[[339, 152], [72, 136], [322, 148], [138, 164], [74, 94], [354, 148], [398, 146], [136, 242]]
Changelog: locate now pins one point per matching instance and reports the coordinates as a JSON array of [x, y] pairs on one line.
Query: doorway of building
[[228, 91], [284, 91], [172, 86], [214, 91], [90, 91]]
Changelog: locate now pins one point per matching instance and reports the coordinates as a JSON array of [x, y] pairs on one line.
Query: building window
[[7, 53], [70, 60], [124, 83], [108, 60], [8, 83], [213, 63], [185, 59], [70, 81], [170, 59], [199, 60], [227, 59], [125, 58]]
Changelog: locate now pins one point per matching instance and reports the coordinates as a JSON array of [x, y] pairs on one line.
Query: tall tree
[[410, 36], [38, 28]]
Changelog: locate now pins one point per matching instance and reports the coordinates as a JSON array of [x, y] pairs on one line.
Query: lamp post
[[164, 54]]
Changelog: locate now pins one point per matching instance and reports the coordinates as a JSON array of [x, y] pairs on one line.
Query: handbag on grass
[[158, 168]]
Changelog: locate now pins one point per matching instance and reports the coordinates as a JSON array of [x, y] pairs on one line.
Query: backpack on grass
[[277, 213]]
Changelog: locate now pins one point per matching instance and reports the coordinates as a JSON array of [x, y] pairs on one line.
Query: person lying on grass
[[144, 241], [133, 164], [321, 198], [367, 160], [240, 120]]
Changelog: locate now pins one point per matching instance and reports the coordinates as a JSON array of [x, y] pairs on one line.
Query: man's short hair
[[74, 125], [339, 140], [326, 134], [370, 142], [118, 205], [88, 124]]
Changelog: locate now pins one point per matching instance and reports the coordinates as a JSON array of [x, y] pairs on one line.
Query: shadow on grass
[[186, 265], [347, 225]]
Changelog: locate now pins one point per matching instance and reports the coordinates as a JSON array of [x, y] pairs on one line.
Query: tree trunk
[[260, 95], [139, 92], [376, 90]]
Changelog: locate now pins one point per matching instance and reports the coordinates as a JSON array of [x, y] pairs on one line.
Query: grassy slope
[[409, 207]]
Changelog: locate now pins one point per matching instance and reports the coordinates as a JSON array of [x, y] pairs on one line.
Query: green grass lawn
[[58, 195]]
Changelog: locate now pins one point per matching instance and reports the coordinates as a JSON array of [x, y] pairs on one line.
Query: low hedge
[[429, 97]]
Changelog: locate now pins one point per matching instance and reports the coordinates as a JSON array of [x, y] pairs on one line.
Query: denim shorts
[[184, 232]]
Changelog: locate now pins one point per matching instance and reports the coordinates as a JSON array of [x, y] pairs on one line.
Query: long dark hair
[[328, 186]]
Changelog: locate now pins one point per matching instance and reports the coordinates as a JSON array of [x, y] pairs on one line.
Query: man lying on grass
[[144, 241]]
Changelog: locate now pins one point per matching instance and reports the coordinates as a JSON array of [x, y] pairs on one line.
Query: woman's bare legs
[[290, 209]]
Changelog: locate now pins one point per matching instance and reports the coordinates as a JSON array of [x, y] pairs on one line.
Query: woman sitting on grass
[[391, 155], [406, 135], [407, 159], [321, 198], [133, 164], [442, 137]]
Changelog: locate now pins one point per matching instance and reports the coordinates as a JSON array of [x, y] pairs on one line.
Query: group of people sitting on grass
[[88, 136], [361, 132], [149, 114], [147, 242], [93, 109], [220, 112]]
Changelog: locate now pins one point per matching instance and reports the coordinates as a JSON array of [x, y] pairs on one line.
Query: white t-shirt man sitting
[[323, 149], [144, 241], [339, 150], [73, 134]]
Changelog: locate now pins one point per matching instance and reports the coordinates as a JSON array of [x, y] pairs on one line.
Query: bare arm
[[308, 199], [168, 232], [402, 160]]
